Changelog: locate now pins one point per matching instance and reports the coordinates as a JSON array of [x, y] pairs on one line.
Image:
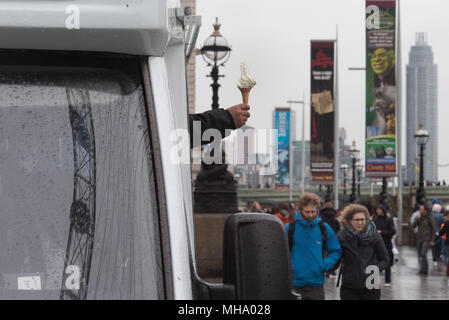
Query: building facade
[[297, 164], [190, 68], [422, 107]]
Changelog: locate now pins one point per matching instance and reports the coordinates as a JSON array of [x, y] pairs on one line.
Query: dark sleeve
[[219, 119], [390, 231], [434, 229], [382, 254]]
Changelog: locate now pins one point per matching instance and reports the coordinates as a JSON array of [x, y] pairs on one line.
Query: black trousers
[[311, 292], [359, 294]]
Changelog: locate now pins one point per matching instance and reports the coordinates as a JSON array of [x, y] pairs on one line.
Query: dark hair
[[382, 207], [416, 207]]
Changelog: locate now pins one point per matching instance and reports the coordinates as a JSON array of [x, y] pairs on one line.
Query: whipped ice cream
[[246, 81]]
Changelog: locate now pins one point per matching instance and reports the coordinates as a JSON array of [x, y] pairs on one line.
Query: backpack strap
[[323, 234], [291, 230]]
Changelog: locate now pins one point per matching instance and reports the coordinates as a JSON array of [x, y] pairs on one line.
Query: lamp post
[[421, 137], [353, 152], [384, 192], [216, 52], [359, 176], [215, 187], [344, 168]]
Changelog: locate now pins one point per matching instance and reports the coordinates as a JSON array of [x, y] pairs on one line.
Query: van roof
[[139, 27]]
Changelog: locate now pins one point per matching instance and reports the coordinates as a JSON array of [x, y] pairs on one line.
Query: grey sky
[[273, 37]]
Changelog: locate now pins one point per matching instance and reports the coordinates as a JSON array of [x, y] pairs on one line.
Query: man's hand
[[239, 114], [432, 243]]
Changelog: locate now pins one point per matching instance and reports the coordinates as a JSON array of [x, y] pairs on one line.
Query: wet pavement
[[406, 283]]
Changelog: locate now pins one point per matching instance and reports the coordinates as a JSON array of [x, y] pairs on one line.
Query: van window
[[78, 211]]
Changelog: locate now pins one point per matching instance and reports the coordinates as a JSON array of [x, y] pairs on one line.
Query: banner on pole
[[322, 112], [380, 144], [282, 124]]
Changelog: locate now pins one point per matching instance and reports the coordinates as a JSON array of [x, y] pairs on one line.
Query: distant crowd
[[353, 243]]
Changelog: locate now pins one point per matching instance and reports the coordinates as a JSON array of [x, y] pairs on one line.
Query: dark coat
[[426, 228], [219, 119], [329, 216], [358, 255], [386, 226]]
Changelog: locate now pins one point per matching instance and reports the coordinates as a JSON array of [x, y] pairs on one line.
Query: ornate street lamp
[[344, 167], [216, 52], [384, 192], [354, 153], [215, 187], [421, 137]]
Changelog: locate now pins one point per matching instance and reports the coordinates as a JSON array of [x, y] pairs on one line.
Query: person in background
[[426, 235], [413, 217], [385, 227], [443, 234], [329, 215], [285, 213], [256, 207], [438, 219]]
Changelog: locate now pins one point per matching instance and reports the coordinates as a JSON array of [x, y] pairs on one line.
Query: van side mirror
[[256, 258]]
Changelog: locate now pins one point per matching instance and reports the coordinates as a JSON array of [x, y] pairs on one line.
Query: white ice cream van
[[91, 206]]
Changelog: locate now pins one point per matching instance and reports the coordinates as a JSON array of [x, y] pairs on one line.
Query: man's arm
[[332, 247], [219, 119], [434, 229], [415, 223]]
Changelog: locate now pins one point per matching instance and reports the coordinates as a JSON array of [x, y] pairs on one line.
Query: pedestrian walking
[[426, 235], [285, 213], [364, 255], [444, 236], [256, 207], [437, 217], [329, 215], [385, 227], [413, 217], [308, 237]]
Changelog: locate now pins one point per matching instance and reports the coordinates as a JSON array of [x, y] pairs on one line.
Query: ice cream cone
[[245, 94]]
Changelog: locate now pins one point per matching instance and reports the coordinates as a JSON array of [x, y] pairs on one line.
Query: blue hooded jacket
[[306, 256]]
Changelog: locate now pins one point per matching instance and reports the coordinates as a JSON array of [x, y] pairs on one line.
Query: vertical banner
[[322, 112], [282, 124], [380, 88]]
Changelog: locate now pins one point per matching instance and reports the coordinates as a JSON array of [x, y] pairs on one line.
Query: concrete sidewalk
[[406, 284]]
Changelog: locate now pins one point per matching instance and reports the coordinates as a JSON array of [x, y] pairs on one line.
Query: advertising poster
[[380, 88], [282, 124], [322, 112]]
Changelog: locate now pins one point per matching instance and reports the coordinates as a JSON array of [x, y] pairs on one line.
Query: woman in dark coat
[[364, 255], [385, 227]]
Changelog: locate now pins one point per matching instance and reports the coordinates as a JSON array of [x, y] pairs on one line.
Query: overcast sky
[[273, 37]]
